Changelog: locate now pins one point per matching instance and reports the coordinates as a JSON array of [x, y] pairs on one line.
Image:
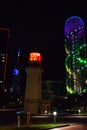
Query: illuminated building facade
[[76, 56], [4, 58]]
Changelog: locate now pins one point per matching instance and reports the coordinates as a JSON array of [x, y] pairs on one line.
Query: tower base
[[32, 106]]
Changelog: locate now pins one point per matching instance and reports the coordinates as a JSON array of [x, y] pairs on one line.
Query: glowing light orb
[[15, 71]]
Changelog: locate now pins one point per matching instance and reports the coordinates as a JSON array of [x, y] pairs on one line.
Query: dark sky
[[40, 25]]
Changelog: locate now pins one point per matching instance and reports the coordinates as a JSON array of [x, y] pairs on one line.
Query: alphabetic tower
[[34, 71]]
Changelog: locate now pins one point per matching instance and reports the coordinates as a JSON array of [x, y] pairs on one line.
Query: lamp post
[[28, 118], [54, 116]]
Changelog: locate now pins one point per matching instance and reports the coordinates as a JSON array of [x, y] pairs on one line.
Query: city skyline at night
[[40, 26]]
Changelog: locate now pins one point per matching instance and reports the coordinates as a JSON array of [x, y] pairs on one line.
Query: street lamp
[[54, 116]]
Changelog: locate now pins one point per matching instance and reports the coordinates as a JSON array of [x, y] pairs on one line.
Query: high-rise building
[[4, 57], [16, 76], [76, 56], [16, 93]]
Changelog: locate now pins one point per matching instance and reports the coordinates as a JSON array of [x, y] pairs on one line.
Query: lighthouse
[[32, 101]]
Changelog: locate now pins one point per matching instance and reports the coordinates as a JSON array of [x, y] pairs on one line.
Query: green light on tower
[[75, 60]]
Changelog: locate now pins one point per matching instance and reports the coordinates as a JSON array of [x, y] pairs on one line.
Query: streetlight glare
[[54, 113]]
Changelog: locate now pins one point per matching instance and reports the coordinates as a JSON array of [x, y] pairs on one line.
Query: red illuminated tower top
[[35, 58]]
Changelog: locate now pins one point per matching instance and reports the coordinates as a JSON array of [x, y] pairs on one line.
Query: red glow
[[5, 29], [5, 90], [35, 56], [8, 34]]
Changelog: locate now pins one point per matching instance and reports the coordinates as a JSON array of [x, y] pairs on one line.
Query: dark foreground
[[10, 118]]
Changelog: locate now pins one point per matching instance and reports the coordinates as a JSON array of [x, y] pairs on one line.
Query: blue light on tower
[[16, 85], [15, 71]]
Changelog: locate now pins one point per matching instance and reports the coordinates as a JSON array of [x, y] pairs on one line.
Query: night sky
[[39, 25]]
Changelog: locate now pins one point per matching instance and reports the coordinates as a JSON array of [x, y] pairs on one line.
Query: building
[[32, 102], [52, 89], [16, 76], [76, 56], [4, 58]]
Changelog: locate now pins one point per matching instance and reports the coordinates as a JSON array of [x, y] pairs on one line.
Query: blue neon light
[[18, 52], [15, 72]]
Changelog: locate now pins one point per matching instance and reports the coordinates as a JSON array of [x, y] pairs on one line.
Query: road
[[81, 119], [72, 127]]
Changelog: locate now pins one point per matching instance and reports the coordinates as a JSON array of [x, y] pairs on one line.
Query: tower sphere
[[74, 24]]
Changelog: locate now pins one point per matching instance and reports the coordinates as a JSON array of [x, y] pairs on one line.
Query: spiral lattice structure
[[75, 60]]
